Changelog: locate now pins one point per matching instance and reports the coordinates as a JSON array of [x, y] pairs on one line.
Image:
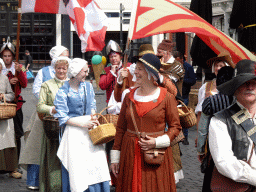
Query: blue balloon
[[96, 59]]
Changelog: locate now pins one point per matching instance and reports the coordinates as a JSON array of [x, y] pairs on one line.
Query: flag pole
[[18, 32], [126, 60], [17, 47]]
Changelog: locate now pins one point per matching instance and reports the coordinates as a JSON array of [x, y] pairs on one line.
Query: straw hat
[[223, 56]]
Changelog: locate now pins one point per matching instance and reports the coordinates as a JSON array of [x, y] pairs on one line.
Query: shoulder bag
[[152, 156], [220, 183]]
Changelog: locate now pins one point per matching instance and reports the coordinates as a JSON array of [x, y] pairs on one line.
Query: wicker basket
[[103, 133], [51, 127], [187, 117], [7, 110], [41, 116], [110, 118]]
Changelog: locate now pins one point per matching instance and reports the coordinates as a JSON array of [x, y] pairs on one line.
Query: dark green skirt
[[50, 166]]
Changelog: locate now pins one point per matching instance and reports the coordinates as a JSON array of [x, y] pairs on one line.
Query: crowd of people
[[145, 153]]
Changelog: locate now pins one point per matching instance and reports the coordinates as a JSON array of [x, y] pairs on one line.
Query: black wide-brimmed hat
[[244, 71], [152, 63]]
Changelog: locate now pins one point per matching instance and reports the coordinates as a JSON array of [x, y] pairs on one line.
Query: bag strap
[[133, 120]]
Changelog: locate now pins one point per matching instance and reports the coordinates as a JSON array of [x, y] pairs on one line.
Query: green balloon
[[96, 59]]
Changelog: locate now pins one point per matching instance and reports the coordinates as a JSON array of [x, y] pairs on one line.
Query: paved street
[[191, 167]]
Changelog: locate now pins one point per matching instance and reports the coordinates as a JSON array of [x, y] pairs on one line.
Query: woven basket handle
[[184, 105], [102, 117], [105, 109]]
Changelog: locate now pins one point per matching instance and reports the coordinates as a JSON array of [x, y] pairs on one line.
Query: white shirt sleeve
[[201, 97], [220, 145], [37, 83], [162, 141], [114, 107], [124, 93]]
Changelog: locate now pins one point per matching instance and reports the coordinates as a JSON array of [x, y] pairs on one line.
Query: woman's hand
[[147, 143], [54, 110], [114, 167], [1, 96], [90, 124]]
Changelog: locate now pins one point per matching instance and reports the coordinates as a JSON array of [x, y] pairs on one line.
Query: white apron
[[7, 135], [86, 163]]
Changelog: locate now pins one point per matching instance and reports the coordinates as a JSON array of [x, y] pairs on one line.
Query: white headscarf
[[55, 59], [150, 74], [2, 63], [76, 66], [56, 51], [132, 70]]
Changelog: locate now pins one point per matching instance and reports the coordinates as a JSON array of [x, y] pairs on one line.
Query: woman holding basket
[[140, 130], [85, 165], [50, 166], [8, 150]]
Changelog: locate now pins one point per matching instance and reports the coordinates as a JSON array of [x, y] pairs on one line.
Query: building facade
[[39, 32]]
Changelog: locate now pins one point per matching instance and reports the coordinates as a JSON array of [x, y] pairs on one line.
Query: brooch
[[155, 100]]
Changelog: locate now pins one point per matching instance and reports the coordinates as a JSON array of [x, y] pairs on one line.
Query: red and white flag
[[151, 17], [43, 6], [90, 23], [88, 19]]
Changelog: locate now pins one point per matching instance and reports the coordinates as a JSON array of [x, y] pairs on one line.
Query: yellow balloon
[[104, 60]]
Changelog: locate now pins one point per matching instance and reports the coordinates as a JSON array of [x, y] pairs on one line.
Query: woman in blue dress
[[85, 165]]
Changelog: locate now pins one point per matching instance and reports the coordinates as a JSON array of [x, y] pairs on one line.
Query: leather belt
[[143, 134]]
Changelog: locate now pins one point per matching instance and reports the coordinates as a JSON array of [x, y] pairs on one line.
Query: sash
[[242, 118]]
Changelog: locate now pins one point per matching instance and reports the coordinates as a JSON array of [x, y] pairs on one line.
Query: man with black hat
[[171, 66], [18, 80], [232, 132]]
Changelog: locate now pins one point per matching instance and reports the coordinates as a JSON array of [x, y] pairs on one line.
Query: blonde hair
[[61, 62]]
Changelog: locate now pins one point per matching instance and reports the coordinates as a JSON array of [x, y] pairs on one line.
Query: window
[[126, 21], [127, 14], [112, 14]]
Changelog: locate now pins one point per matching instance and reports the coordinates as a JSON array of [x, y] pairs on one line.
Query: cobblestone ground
[[191, 167]]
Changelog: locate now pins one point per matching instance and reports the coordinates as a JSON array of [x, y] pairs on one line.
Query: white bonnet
[[76, 66], [2, 63], [56, 51], [55, 59]]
